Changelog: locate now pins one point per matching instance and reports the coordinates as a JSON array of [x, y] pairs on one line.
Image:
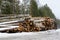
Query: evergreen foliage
[[33, 8], [45, 11], [10, 7], [13, 7]]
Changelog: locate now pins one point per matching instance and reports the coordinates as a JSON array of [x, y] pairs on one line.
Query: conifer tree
[[33, 8], [10, 7]]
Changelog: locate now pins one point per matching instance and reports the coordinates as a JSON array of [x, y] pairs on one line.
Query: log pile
[[29, 26], [49, 24]]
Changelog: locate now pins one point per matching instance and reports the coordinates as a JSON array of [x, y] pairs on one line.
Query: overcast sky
[[53, 4]]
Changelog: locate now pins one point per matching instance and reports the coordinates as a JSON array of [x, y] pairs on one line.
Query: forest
[[26, 7]]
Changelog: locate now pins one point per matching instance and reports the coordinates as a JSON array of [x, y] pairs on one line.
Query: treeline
[[9, 6], [26, 7], [43, 11]]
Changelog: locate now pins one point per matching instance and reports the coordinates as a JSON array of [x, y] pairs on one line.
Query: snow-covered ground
[[43, 35]]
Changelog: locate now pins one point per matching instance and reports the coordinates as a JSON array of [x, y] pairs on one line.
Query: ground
[[43, 35]]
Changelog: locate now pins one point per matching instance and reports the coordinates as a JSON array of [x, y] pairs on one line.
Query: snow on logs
[[33, 25]]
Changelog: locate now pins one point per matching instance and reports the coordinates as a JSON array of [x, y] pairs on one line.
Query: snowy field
[[43, 35]]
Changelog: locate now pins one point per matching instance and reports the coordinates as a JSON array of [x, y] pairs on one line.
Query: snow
[[5, 35], [9, 22], [42, 35], [8, 27]]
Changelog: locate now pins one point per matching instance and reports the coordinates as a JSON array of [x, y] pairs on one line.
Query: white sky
[[54, 5]]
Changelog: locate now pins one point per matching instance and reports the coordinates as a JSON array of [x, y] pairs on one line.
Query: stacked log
[[29, 26], [49, 24]]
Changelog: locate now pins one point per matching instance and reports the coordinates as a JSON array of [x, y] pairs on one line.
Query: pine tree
[[33, 8], [6, 9], [10, 7], [40, 12], [0, 5], [45, 11], [17, 7], [0, 2], [49, 11]]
